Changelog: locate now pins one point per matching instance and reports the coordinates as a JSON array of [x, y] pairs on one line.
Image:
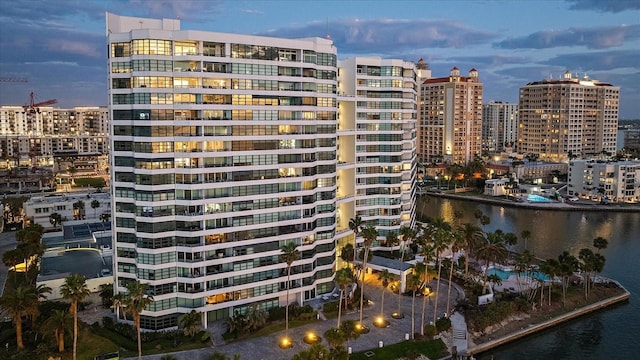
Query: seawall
[[624, 297], [540, 206]]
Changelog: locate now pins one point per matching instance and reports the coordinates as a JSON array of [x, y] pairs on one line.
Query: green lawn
[[91, 344], [433, 349]]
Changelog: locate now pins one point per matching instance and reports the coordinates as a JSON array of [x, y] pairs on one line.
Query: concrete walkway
[[266, 347]]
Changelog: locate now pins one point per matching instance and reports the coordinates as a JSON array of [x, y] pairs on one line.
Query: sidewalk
[[266, 347]]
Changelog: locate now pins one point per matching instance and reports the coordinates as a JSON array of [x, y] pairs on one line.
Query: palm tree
[[441, 239], [550, 267], [74, 289], [17, 302], [457, 243], [117, 304], [94, 205], [136, 300], [472, 235], [255, 318], [427, 253], [78, 208], [492, 250], [190, 323], [289, 254], [105, 217], [55, 219], [413, 282], [59, 322], [600, 243], [408, 235], [385, 277], [526, 236], [344, 277], [370, 234], [355, 224], [567, 266]]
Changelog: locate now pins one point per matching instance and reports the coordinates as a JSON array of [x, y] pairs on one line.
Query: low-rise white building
[[602, 180], [500, 187], [39, 208]]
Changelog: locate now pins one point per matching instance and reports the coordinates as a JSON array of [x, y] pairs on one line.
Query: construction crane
[[33, 107]]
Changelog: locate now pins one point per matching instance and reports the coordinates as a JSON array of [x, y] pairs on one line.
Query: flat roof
[[390, 263], [87, 262]]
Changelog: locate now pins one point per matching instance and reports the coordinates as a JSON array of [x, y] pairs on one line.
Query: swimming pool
[[504, 274], [538, 198]]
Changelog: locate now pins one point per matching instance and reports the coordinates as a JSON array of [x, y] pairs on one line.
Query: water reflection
[[551, 231], [611, 333]]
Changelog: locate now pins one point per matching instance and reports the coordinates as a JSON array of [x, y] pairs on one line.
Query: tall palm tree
[[473, 236], [413, 282], [600, 243], [457, 242], [526, 236], [550, 267], [440, 240], [355, 224], [408, 235], [492, 250], [58, 322], [17, 302], [385, 277], [370, 234], [344, 277], [74, 289], [289, 254], [427, 253], [567, 266], [136, 300]]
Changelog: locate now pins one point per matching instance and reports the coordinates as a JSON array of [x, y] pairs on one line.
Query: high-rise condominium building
[[34, 136], [499, 126], [376, 144], [573, 116], [227, 147], [450, 120]]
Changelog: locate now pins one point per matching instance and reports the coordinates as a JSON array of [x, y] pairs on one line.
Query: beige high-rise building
[[568, 117], [450, 121]]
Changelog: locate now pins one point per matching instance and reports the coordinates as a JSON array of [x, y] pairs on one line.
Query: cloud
[[75, 47], [597, 60], [592, 38], [614, 6], [387, 36], [67, 63], [252, 11], [191, 10]]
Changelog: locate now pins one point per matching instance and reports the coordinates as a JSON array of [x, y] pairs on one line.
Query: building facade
[[570, 117], [227, 147], [35, 137], [450, 120], [376, 144], [605, 181], [499, 126]]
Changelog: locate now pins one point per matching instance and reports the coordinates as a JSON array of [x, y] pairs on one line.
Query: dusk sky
[[60, 46]]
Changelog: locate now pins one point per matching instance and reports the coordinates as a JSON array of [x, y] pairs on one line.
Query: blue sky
[[60, 46]]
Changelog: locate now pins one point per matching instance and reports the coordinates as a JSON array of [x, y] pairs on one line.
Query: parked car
[[573, 198]]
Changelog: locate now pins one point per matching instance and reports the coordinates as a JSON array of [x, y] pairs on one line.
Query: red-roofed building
[[450, 119]]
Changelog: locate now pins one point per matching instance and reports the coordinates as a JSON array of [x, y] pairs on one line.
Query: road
[[7, 242]]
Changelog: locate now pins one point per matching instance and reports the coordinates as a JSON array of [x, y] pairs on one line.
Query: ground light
[[311, 338], [380, 322], [285, 343], [361, 329], [397, 315]]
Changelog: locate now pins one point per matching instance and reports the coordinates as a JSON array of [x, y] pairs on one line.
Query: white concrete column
[[204, 319]]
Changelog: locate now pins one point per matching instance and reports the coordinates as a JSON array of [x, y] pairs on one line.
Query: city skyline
[[60, 47]]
